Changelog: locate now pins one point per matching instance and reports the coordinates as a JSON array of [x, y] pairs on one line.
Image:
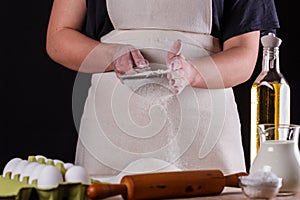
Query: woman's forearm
[[69, 48], [233, 66], [225, 69]]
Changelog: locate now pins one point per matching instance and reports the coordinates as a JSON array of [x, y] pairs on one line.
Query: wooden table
[[236, 193], [227, 194]]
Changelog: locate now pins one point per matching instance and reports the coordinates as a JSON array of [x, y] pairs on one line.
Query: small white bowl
[[264, 190]]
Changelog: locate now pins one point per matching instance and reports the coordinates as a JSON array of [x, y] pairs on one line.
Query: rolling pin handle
[[101, 191], [232, 180]]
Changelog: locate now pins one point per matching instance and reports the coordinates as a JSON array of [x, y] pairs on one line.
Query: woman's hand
[[128, 60], [181, 70]]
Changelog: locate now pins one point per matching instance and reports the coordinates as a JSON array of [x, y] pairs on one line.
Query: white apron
[[142, 120]]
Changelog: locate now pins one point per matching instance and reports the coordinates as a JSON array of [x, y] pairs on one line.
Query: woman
[[187, 121]]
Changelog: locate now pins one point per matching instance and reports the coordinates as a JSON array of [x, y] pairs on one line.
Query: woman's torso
[[191, 130], [228, 18]]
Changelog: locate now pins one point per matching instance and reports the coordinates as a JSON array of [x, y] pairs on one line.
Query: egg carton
[[11, 188]]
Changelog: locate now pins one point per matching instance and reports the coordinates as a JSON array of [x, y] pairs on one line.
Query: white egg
[[36, 172], [77, 174], [41, 159], [10, 165], [57, 161], [28, 170], [40, 156], [19, 168], [49, 177], [68, 165]]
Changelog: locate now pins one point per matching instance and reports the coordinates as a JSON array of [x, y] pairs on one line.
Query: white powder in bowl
[[261, 177], [260, 184]]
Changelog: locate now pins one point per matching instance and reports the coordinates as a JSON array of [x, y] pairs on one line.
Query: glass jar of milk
[[279, 152]]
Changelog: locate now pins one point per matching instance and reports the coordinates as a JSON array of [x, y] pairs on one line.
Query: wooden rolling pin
[[163, 185]]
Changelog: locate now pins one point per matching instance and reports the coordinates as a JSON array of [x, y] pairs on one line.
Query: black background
[[36, 93]]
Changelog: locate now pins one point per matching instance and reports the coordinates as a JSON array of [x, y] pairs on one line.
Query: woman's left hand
[[181, 70]]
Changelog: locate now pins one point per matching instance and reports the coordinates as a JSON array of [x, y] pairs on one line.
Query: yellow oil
[[270, 103]]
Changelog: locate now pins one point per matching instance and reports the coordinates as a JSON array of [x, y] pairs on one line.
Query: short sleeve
[[242, 16], [97, 21]]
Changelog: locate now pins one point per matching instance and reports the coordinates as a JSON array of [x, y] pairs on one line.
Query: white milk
[[283, 159]]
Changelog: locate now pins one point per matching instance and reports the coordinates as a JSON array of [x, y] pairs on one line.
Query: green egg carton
[[12, 189]]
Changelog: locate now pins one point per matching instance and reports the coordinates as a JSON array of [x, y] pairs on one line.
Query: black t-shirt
[[230, 18]]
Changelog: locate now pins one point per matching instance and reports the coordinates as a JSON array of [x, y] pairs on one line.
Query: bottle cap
[[270, 41]]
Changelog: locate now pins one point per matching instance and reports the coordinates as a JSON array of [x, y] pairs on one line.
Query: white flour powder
[[261, 184], [156, 101]]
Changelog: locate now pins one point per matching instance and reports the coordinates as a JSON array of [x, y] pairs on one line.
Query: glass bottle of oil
[[270, 93]]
